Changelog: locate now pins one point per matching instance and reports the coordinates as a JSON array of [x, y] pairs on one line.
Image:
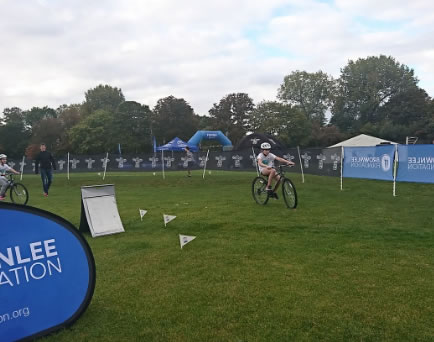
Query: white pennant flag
[[168, 218], [184, 239], [142, 213]]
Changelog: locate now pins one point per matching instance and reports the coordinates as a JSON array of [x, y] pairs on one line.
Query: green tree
[[364, 87], [286, 122], [323, 136], [103, 97], [173, 117], [265, 117], [405, 114], [427, 133], [52, 127], [49, 131], [13, 115], [295, 128], [231, 115], [36, 114], [68, 116], [205, 122], [133, 122], [407, 107], [44, 126], [312, 92], [14, 136], [269, 117], [94, 134]]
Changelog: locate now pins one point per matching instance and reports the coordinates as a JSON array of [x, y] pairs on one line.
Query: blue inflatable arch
[[211, 135]]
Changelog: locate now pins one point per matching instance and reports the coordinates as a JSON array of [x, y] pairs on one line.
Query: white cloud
[[52, 52]]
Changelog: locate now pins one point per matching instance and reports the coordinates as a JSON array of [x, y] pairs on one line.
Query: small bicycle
[[261, 195], [18, 192]]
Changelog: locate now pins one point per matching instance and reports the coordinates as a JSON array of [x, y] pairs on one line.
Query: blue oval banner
[[47, 273]]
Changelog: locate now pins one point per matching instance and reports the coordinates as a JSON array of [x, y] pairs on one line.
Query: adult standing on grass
[[4, 168], [47, 164], [189, 159]]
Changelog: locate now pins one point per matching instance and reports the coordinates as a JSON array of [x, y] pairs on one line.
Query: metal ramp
[[99, 211]]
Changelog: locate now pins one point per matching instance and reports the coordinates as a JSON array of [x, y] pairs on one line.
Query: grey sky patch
[[53, 52]]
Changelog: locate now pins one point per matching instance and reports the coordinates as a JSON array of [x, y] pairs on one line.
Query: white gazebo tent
[[363, 140], [359, 141]]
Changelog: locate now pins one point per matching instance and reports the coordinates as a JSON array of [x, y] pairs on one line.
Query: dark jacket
[[45, 160]]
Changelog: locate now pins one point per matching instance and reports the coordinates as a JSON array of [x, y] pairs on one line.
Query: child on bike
[[266, 162], [4, 168]]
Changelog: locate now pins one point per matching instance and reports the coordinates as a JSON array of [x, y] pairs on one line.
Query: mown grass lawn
[[345, 265]]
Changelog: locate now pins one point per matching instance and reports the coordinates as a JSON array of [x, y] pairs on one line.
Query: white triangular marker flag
[[168, 218], [184, 239], [142, 213]]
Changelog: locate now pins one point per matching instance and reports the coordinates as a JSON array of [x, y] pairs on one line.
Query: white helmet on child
[[3, 156], [265, 146]]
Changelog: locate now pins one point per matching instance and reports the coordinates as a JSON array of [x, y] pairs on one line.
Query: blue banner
[[416, 163], [374, 162], [47, 273]]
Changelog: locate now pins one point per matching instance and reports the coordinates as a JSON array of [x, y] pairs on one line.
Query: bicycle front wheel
[[19, 194], [289, 194], [259, 190]]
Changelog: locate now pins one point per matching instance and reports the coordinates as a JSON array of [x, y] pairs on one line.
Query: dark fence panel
[[416, 163], [321, 161], [315, 161]]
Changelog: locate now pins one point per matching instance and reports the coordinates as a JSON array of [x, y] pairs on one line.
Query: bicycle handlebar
[[286, 165], [279, 168]]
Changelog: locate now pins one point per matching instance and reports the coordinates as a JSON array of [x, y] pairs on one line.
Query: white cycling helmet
[[265, 146], [3, 156]]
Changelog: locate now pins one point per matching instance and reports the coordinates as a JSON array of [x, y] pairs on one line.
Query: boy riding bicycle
[[4, 168], [266, 163]]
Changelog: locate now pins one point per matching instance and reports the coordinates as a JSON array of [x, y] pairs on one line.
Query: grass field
[[351, 265]]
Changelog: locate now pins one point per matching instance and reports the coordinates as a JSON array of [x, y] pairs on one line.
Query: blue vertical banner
[[47, 273], [155, 144], [373, 162], [416, 163]]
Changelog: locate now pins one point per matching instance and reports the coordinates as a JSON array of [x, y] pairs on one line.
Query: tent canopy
[[256, 139], [176, 144], [363, 140]]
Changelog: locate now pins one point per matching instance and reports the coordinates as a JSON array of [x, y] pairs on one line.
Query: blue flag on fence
[[374, 162], [155, 145], [416, 163]]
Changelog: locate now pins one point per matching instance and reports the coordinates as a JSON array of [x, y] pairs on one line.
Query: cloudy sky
[[52, 52]]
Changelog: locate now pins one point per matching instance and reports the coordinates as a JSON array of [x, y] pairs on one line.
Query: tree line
[[376, 95]]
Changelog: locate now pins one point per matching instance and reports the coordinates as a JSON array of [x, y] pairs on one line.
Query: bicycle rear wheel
[[289, 194], [19, 194], [259, 190]]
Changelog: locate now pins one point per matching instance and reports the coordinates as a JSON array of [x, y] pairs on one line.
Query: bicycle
[[261, 195], [18, 192]]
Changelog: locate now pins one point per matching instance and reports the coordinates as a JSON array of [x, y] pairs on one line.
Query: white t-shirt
[[266, 159], [4, 169]]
